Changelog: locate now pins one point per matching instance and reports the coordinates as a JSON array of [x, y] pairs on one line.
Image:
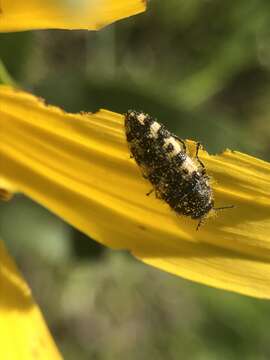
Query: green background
[[203, 69]]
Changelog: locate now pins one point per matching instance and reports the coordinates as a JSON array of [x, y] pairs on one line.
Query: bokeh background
[[203, 69]]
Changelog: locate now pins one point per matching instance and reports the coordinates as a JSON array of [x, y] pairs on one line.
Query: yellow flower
[[18, 15], [23, 332], [78, 166]]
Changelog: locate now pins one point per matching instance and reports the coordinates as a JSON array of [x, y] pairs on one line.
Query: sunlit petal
[[78, 166], [23, 332], [16, 15]]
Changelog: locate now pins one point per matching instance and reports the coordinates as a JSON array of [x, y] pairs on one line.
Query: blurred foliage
[[203, 69]]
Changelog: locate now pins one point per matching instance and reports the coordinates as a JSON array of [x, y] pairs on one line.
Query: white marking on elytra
[[155, 126], [176, 146], [141, 118], [189, 165]]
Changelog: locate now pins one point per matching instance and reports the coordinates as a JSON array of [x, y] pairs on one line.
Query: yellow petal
[[78, 166], [23, 333], [16, 15]]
